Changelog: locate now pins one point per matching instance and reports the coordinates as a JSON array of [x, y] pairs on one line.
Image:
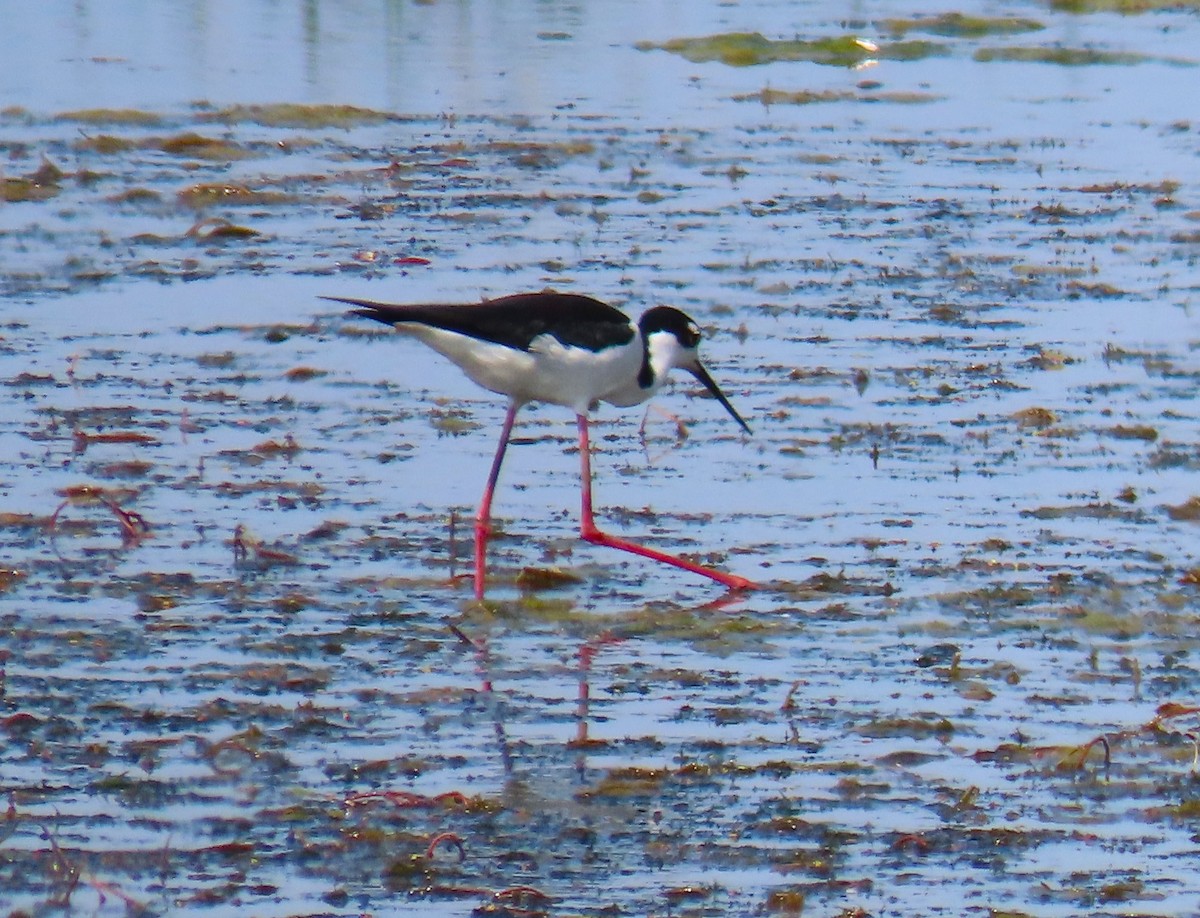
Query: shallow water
[[951, 294]]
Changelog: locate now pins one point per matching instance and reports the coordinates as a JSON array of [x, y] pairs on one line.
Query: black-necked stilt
[[564, 349]]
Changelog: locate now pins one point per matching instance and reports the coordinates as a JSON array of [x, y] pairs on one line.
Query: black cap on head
[[687, 332], [669, 319]]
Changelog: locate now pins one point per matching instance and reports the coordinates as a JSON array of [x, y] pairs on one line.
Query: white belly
[[575, 378]]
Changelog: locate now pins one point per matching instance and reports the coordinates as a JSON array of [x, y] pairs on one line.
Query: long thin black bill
[[710, 384]]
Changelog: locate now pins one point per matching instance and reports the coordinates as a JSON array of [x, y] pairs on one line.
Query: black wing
[[514, 321]]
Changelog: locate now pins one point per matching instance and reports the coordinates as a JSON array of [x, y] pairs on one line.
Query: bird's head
[[673, 341]]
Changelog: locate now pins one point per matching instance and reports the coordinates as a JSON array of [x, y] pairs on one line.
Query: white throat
[[664, 351]]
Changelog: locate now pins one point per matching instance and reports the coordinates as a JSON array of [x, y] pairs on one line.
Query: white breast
[[573, 377]]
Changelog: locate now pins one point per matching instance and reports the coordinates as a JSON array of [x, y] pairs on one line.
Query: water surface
[[952, 294]]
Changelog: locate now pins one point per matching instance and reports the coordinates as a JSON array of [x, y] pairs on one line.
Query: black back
[[514, 321]]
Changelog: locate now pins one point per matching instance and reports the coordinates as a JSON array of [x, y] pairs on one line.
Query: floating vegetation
[[769, 96], [538, 579], [960, 25], [1037, 417], [14, 190], [137, 196], [1091, 511], [1126, 7], [1073, 57], [798, 97], [209, 194], [198, 146], [1166, 187], [291, 115], [303, 374], [105, 144], [746, 49], [40, 185], [453, 422], [1188, 511], [1143, 432], [214, 228], [540, 155], [128, 117]]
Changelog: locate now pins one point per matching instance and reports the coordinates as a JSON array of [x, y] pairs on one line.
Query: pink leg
[[589, 532], [484, 516]]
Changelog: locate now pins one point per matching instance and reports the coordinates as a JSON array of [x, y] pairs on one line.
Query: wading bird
[[564, 349]]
